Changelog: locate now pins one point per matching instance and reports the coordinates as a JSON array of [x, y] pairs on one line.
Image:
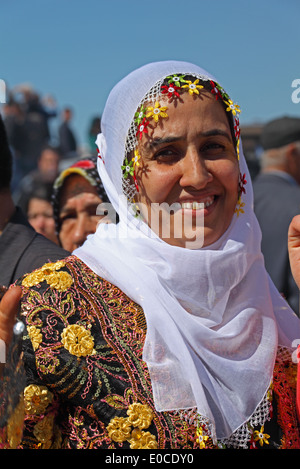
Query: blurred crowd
[[63, 209], [41, 152]]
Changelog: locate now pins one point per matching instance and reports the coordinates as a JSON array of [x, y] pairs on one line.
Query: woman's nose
[[195, 172], [84, 227]]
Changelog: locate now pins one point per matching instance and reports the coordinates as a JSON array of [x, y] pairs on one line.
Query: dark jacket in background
[[276, 202], [22, 250]]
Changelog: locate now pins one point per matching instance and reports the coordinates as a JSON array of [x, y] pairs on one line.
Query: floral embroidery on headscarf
[[172, 87], [234, 108], [157, 111], [193, 87]]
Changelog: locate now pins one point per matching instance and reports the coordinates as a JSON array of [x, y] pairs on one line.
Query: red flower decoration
[[135, 181], [242, 182], [171, 90], [215, 90], [142, 128], [237, 128]]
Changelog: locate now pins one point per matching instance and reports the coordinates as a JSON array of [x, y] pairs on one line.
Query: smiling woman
[[145, 339], [191, 162]]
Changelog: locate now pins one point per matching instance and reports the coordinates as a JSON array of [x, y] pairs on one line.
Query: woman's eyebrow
[[157, 141]]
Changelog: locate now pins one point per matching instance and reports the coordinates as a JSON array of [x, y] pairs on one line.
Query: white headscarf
[[214, 318]]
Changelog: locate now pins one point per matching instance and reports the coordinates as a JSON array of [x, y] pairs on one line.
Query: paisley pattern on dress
[[87, 384]]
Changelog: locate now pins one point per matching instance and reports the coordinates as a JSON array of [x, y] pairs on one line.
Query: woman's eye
[[167, 155], [213, 147]]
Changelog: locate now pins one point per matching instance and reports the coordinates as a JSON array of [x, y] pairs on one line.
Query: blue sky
[[77, 50]]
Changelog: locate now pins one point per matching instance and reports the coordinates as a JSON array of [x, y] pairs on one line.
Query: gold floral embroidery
[[78, 340], [52, 266], [43, 431], [142, 440], [33, 279], [59, 280], [15, 425], [119, 429], [36, 399], [35, 336], [139, 416]]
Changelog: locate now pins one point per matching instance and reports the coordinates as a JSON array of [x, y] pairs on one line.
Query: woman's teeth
[[197, 205]]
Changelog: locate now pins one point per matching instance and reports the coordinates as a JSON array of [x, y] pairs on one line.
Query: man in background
[[277, 200]]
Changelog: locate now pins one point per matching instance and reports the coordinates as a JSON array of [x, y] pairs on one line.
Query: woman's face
[[77, 214], [189, 160]]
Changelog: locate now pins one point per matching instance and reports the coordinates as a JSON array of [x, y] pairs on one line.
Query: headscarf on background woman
[[214, 318], [91, 188]]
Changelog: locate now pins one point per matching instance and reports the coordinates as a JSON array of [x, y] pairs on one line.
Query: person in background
[[44, 175], [94, 129], [22, 249], [67, 140], [40, 212], [77, 193], [277, 200]]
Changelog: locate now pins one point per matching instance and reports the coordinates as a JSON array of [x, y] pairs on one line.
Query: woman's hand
[[294, 248]]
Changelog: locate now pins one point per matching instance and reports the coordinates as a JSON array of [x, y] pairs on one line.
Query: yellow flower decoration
[[119, 429], [136, 158], [193, 87], [33, 279], [142, 440], [239, 207], [35, 336], [157, 111], [201, 439], [52, 266], [59, 280], [261, 436], [140, 415], [36, 399], [78, 340], [234, 108]]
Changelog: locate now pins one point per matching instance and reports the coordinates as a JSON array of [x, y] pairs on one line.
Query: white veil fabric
[[214, 318]]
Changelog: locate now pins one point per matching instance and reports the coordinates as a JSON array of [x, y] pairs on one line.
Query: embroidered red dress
[[88, 387]]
